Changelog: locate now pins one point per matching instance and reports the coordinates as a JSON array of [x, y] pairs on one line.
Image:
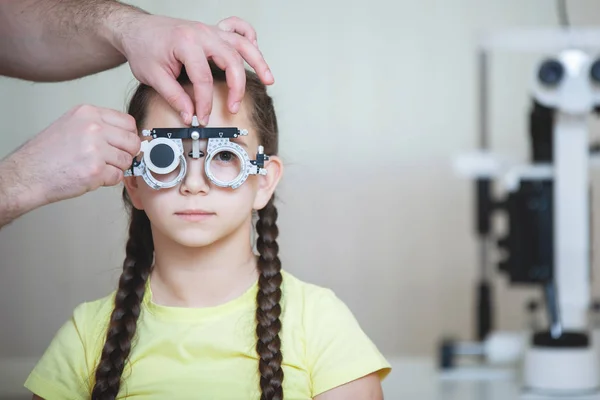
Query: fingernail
[[185, 116], [204, 121], [255, 43], [269, 75], [235, 107]]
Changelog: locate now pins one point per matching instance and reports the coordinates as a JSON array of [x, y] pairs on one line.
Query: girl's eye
[[225, 156]]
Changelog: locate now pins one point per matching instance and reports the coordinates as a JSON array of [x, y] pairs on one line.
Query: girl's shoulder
[[91, 318], [312, 302], [333, 344], [292, 285], [94, 310]]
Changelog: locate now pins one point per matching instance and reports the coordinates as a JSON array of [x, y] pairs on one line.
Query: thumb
[[174, 94]]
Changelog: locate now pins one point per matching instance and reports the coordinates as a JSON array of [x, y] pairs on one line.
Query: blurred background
[[374, 100]]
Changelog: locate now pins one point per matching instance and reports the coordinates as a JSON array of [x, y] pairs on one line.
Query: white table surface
[[418, 379]]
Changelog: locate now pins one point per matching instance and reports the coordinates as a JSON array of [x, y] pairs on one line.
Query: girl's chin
[[196, 241]]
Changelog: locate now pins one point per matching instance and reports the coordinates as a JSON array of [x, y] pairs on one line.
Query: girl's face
[[196, 212]]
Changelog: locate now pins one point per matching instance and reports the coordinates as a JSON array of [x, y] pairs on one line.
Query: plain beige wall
[[373, 99]]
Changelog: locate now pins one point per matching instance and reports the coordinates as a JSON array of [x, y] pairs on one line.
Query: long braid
[[268, 310], [128, 299]]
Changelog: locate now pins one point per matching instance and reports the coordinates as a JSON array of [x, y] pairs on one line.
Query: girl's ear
[[133, 190], [268, 183]]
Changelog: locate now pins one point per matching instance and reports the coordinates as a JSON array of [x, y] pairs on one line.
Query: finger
[[198, 71], [239, 26], [251, 54], [111, 176], [118, 158], [167, 86], [124, 140], [230, 61], [118, 119]]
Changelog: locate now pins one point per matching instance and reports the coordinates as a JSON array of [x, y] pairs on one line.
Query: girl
[[197, 315]]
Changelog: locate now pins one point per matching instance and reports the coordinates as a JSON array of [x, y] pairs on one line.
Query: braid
[[268, 308], [128, 299]]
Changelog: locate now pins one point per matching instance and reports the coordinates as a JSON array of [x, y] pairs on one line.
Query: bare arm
[[15, 198], [365, 388], [58, 40]]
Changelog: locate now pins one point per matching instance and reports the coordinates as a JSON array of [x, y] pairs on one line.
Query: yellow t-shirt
[[209, 353]]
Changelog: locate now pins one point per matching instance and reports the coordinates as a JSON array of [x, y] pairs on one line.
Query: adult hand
[[157, 47], [86, 148]]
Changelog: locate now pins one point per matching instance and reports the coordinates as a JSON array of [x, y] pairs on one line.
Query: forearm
[[58, 40], [16, 198]]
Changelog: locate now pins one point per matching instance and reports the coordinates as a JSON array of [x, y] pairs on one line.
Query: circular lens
[[225, 166], [551, 72], [164, 162], [162, 155]]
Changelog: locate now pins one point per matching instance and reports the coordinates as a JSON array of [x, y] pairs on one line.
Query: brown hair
[[139, 257]]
